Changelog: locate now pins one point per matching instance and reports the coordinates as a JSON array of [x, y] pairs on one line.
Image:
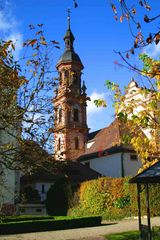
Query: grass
[[132, 235]]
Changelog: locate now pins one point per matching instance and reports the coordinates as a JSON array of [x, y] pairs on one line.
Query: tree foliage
[[26, 110], [139, 16], [57, 198], [140, 113]]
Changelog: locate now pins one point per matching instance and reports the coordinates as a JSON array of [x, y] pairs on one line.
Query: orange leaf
[[32, 42], [121, 18]]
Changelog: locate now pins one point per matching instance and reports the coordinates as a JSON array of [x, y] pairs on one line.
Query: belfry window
[[76, 140], [60, 115], [60, 78], [75, 78], [59, 144], [75, 115], [66, 74]]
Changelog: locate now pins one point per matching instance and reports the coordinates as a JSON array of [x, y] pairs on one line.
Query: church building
[[72, 140]]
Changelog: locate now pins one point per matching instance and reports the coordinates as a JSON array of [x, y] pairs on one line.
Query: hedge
[[49, 225], [24, 218], [112, 198]]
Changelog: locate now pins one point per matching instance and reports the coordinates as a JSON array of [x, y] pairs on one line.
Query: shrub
[[48, 225], [24, 218], [113, 198], [30, 195], [57, 198]]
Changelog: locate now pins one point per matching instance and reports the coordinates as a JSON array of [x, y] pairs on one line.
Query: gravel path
[[92, 233]]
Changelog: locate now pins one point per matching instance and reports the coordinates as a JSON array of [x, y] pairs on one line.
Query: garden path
[[92, 233]]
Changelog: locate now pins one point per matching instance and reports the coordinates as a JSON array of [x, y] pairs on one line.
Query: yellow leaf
[[43, 43]]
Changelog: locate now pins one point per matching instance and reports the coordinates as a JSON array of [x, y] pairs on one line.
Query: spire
[[69, 54], [68, 18], [69, 38]]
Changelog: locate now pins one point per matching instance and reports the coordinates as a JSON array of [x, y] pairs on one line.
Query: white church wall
[[107, 165], [111, 165], [131, 166], [140, 100]]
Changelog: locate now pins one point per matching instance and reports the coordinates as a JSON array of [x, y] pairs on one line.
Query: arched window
[[75, 115], [59, 144], [60, 78], [60, 115], [75, 78], [76, 140], [66, 74]]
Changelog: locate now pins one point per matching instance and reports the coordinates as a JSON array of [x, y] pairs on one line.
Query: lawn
[[132, 235]]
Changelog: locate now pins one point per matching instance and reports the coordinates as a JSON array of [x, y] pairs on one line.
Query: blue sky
[[96, 33]]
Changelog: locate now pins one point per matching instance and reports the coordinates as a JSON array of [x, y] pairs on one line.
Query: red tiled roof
[[106, 138]]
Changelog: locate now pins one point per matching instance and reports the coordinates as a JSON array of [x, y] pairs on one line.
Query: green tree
[[57, 200]]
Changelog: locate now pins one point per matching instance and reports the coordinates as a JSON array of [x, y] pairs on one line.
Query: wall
[[38, 187], [7, 187], [112, 165], [32, 209], [107, 165], [9, 182], [130, 166], [134, 96]]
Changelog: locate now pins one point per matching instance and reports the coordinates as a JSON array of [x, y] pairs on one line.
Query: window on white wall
[[43, 188], [133, 157]]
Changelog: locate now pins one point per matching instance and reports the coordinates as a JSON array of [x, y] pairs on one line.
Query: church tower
[[70, 124]]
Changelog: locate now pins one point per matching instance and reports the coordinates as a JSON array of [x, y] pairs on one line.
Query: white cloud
[[96, 115], [153, 50], [92, 109], [17, 39], [9, 27], [4, 24]]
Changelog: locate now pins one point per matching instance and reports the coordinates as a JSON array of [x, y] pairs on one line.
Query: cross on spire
[[68, 17]]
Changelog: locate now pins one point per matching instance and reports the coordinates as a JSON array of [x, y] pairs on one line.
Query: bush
[[30, 195], [24, 218], [48, 225], [112, 198], [57, 198]]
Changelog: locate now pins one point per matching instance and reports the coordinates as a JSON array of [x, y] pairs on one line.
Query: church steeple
[[69, 54], [70, 125], [69, 38]]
